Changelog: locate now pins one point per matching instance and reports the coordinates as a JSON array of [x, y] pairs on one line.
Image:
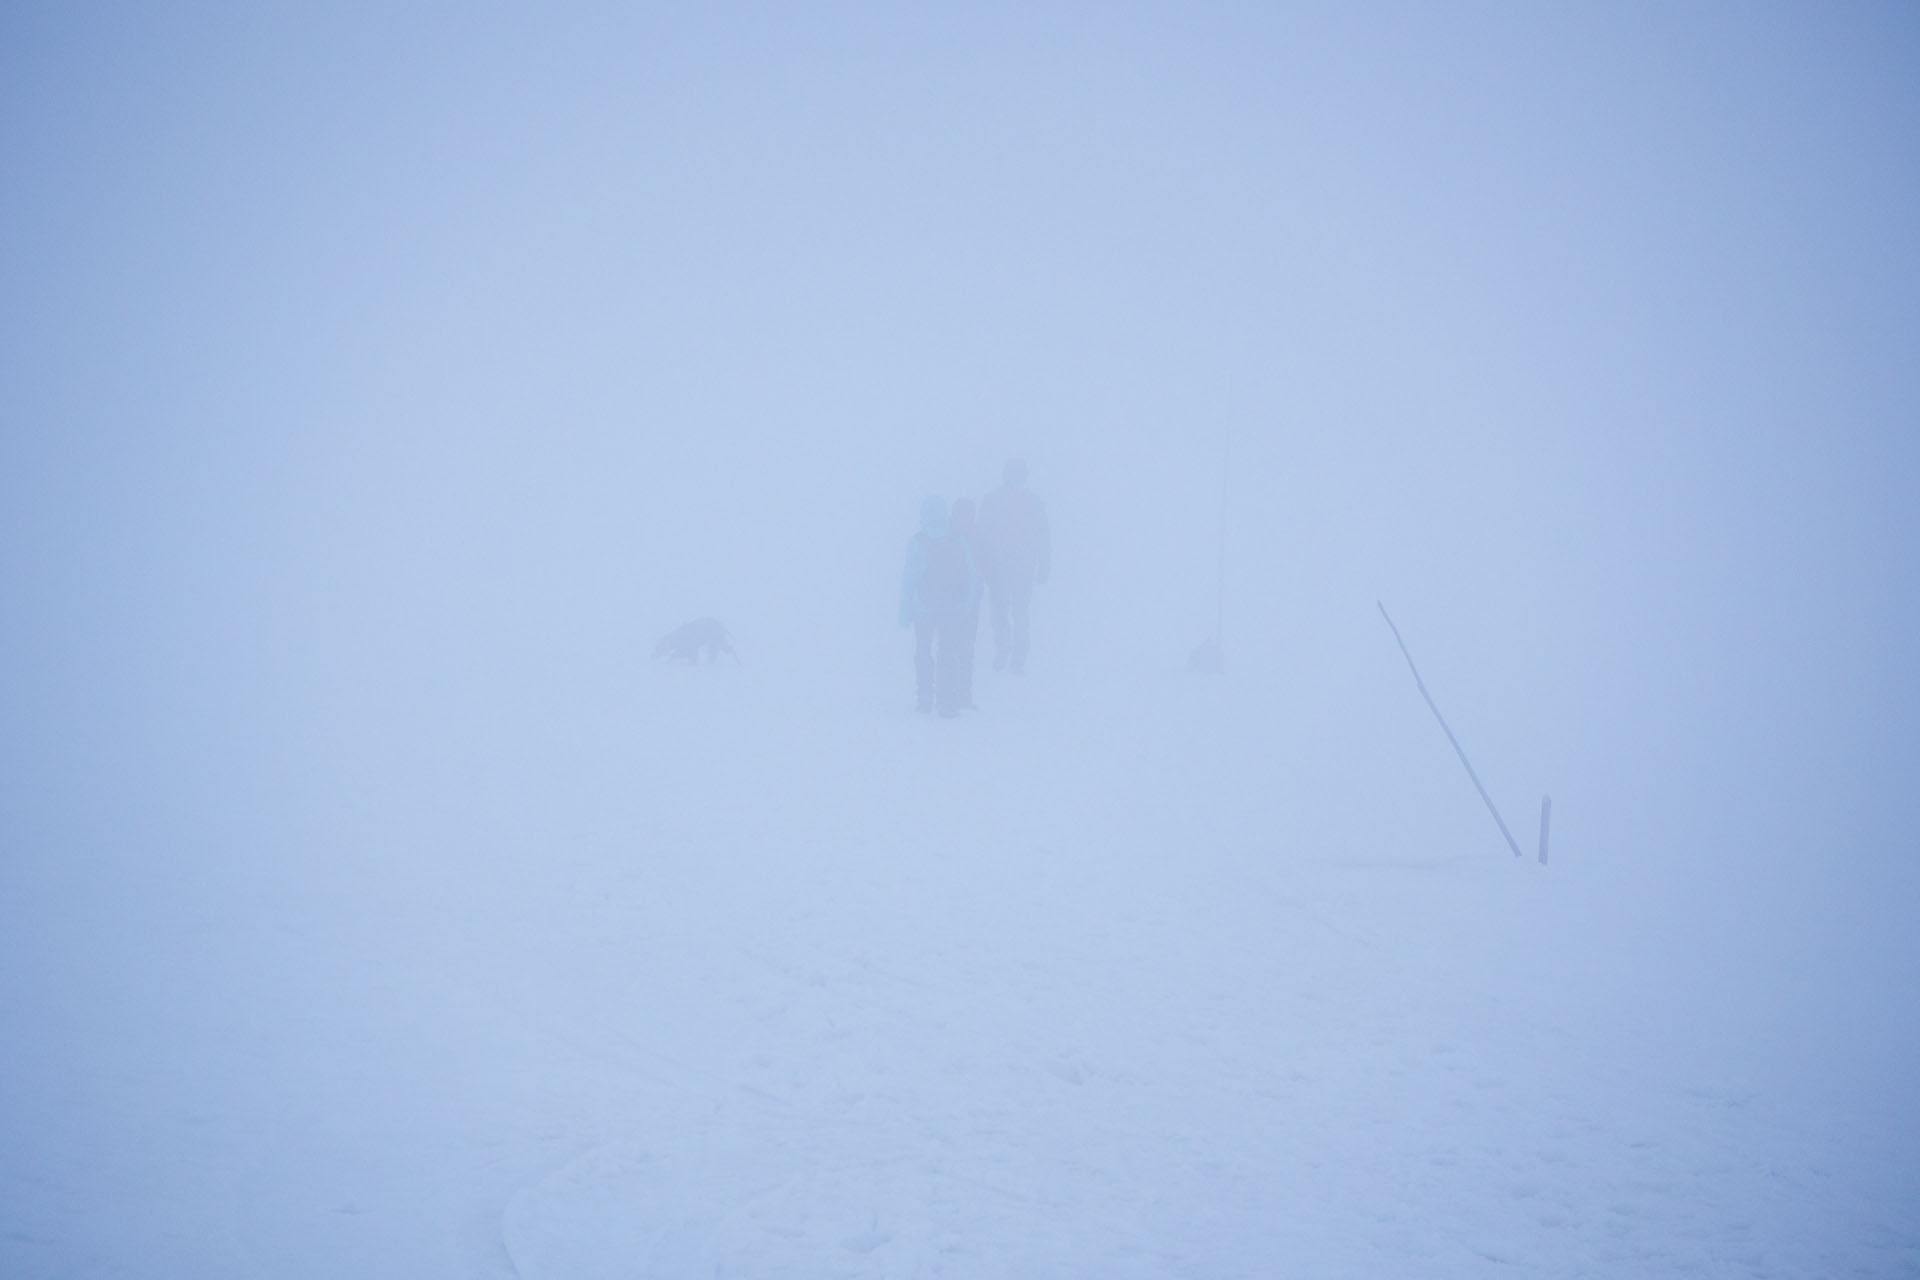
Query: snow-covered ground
[[710, 976]]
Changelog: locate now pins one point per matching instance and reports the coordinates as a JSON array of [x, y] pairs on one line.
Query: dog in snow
[[686, 642]]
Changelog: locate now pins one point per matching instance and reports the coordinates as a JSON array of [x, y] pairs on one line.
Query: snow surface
[[792, 985]]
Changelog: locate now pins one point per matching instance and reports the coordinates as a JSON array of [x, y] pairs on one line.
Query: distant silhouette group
[[958, 557]]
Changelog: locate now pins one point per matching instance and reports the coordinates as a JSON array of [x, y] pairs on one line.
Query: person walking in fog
[[960, 520], [937, 593], [1017, 552]]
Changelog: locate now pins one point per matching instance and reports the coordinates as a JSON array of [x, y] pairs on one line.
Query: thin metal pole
[[1546, 809], [1450, 738]]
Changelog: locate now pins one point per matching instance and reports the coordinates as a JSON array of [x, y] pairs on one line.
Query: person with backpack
[[1017, 552], [937, 592]]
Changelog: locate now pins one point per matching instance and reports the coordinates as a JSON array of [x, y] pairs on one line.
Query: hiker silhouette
[[1016, 553]]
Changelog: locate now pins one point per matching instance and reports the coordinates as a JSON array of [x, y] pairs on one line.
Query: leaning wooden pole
[[1450, 738]]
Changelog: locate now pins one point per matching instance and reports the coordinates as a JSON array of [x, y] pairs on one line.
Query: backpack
[[946, 584]]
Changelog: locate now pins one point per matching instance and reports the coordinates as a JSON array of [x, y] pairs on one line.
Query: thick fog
[[380, 383]]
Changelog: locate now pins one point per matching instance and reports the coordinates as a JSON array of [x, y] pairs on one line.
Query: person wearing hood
[[938, 592]]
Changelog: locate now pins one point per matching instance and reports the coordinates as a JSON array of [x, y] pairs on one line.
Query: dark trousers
[[1010, 596], [938, 648]]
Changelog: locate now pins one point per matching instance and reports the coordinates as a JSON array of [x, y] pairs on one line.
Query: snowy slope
[[716, 979]]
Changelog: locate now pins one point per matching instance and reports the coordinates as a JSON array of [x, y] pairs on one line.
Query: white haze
[[378, 383]]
